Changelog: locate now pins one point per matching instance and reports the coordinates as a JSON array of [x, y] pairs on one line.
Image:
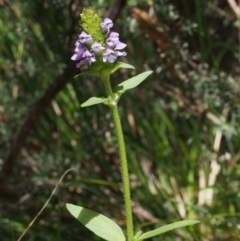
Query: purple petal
[[97, 47], [79, 49], [106, 24], [78, 45], [112, 39], [109, 56], [108, 52], [86, 58], [85, 38], [119, 53], [114, 35], [119, 45], [87, 54], [89, 57], [86, 61], [76, 57]]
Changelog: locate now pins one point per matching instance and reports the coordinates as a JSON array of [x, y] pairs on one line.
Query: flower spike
[[94, 45]]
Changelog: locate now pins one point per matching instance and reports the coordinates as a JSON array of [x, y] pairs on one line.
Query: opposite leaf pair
[[110, 231], [120, 88]]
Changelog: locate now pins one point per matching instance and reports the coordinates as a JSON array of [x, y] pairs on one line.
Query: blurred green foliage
[[181, 126]]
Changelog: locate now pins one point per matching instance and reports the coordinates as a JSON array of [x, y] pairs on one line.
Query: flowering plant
[[97, 49]]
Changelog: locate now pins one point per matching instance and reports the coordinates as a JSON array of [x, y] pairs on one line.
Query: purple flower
[[97, 47], [106, 24], [115, 45], [109, 56], [79, 50], [113, 39], [86, 58], [89, 57], [119, 53], [85, 38], [119, 45]]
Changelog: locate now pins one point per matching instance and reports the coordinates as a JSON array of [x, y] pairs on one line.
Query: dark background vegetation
[[181, 126]]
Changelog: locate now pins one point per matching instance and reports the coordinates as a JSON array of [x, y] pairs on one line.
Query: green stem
[[123, 158]]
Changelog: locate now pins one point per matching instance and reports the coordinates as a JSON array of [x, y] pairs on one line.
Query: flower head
[[94, 41]]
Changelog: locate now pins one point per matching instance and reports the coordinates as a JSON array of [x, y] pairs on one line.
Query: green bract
[[103, 69], [91, 24]]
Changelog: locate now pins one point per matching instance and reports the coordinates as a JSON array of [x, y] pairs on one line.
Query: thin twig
[[46, 203]]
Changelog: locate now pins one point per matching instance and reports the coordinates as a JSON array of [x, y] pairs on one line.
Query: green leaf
[[77, 75], [97, 223], [167, 228], [103, 69], [93, 101], [124, 66], [132, 82], [108, 69], [89, 71]]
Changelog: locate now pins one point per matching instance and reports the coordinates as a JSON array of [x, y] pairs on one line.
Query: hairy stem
[[123, 158]]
